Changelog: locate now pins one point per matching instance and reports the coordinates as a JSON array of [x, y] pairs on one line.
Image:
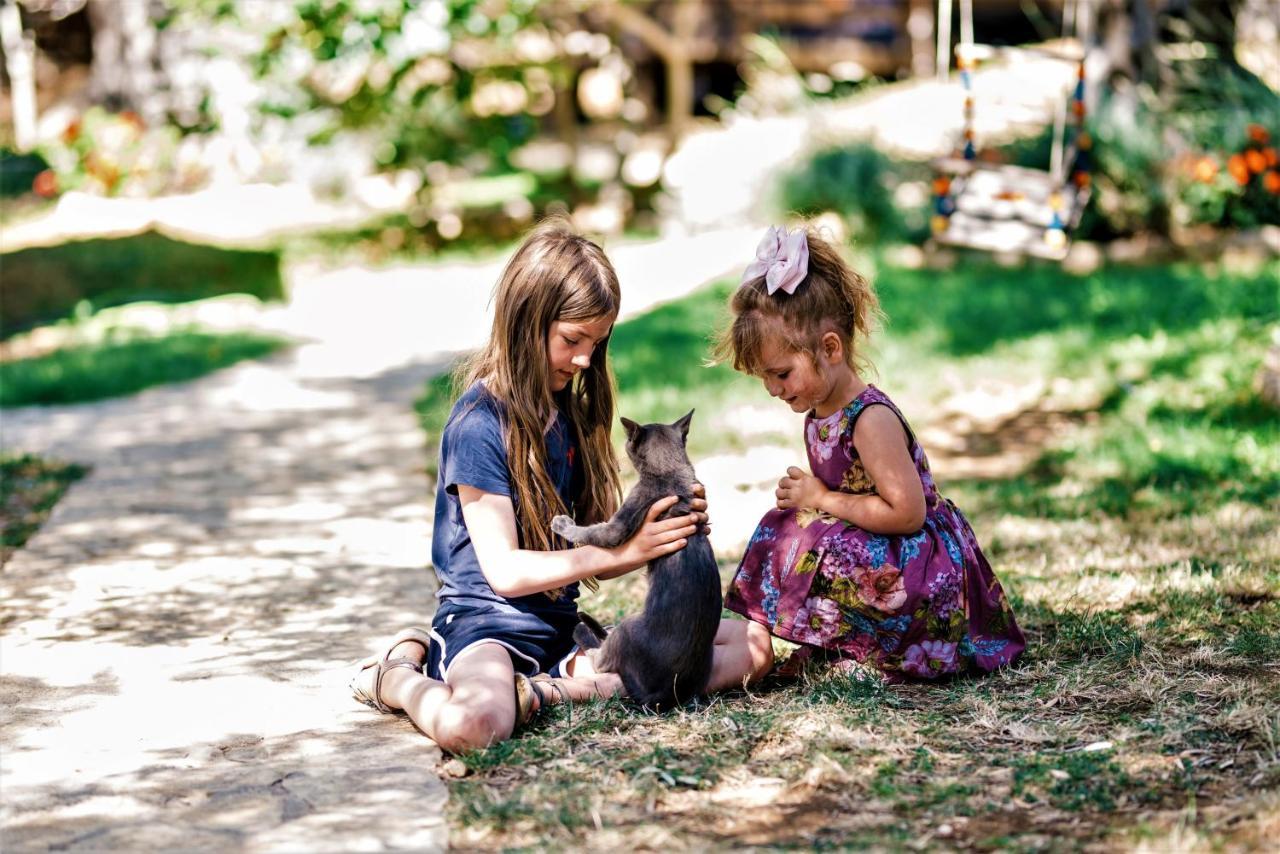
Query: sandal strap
[[385, 662], [529, 699], [385, 665]]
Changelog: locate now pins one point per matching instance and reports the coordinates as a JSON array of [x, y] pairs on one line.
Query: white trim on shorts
[[444, 668]]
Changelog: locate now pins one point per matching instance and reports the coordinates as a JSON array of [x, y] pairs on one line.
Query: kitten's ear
[[632, 428], [683, 426]]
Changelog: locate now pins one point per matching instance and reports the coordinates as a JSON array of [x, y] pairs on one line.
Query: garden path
[[177, 637]]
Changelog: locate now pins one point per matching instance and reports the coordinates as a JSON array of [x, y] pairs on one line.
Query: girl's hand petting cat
[[699, 507], [656, 539], [800, 490]]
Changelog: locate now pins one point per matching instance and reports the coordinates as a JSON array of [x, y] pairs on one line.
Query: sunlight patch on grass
[[124, 363]]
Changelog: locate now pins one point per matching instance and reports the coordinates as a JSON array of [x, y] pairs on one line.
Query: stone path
[[175, 641]]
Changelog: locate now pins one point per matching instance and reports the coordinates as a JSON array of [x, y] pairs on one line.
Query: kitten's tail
[[588, 634]]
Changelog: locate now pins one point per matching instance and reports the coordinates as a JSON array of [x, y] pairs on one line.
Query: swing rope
[[1075, 23]]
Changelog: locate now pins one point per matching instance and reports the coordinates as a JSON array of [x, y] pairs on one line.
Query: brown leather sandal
[[385, 663], [529, 699], [531, 696]]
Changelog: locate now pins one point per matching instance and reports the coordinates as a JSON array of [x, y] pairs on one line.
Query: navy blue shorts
[[536, 644]]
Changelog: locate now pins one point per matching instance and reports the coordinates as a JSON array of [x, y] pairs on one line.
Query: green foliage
[[108, 154], [19, 171], [29, 488], [659, 358], [123, 364], [438, 81], [1161, 161], [856, 182], [45, 283]]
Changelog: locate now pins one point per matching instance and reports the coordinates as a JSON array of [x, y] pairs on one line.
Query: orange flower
[[1258, 134], [1206, 169], [1272, 182], [45, 184], [133, 118], [1255, 160], [1270, 155], [1238, 169], [71, 132]]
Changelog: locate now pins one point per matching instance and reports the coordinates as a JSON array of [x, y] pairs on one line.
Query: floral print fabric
[[922, 605]]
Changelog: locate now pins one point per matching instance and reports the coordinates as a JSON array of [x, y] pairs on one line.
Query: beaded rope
[[1056, 234], [943, 204]]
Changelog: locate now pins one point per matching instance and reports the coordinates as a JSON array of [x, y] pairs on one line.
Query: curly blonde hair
[[832, 297]]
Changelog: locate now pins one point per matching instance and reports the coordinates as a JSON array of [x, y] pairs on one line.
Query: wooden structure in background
[[1001, 208]]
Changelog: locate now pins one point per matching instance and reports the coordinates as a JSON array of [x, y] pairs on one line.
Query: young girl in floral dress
[[862, 560]]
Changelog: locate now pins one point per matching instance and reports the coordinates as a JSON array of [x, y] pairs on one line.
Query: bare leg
[[743, 654], [476, 707]]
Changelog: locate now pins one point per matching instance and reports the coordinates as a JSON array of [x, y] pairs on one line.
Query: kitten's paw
[[562, 525]]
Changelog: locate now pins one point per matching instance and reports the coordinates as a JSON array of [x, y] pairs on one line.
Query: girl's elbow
[[505, 591], [912, 519], [508, 588]]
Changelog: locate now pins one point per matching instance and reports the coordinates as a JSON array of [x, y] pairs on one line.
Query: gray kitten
[[663, 654]]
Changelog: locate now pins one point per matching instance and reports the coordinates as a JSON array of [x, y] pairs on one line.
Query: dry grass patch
[[1126, 710]]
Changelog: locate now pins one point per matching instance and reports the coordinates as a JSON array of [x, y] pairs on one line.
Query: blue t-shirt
[[473, 452]]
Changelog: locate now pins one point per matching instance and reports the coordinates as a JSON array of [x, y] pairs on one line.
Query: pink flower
[[930, 659], [817, 621], [823, 436], [881, 588]]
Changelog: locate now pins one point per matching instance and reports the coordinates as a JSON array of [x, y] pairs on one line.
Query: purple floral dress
[[921, 605]]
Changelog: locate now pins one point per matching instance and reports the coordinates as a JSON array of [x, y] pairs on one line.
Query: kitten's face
[[657, 447]]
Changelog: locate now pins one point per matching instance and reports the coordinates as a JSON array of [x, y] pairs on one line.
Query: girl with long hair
[[528, 439]]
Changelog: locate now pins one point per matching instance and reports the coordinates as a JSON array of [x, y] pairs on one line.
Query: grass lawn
[[1140, 545], [123, 362]]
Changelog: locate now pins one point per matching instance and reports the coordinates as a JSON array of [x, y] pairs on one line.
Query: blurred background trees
[[473, 116]]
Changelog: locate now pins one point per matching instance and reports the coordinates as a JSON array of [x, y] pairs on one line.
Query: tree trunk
[[124, 74], [673, 47], [19, 58]]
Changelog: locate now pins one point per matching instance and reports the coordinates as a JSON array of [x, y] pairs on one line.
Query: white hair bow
[[782, 258]]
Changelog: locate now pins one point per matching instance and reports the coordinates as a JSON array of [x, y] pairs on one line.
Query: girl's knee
[[760, 645], [460, 727]]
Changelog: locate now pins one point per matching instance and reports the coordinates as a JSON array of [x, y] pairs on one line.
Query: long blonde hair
[[832, 297], [556, 274]]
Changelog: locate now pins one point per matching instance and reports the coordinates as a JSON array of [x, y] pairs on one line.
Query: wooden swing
[[1003, 208]]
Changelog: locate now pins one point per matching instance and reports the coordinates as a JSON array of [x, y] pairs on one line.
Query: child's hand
[[699, 507], [800, 490], [657, 538]]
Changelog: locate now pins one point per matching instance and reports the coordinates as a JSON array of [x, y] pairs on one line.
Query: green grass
[[44, 284], [125, 363], [29, 488], [1138, 546]]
